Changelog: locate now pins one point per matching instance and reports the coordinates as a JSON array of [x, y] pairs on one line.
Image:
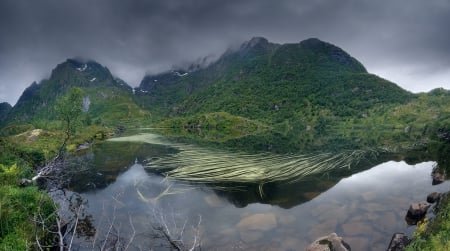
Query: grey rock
[[331, 242], [433, 197], [398, 242], [418, 210], [438, 176]]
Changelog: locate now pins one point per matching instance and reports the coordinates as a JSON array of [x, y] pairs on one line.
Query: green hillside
[[299, 91], [273, 83], [306, 94], [107, 100], [5, 108]]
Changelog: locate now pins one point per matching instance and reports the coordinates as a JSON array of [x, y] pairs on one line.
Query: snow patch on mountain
[[83, 68]]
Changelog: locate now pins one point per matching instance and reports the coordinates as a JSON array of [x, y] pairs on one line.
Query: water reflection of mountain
[[99, 166], [290, 194], [104, 162]]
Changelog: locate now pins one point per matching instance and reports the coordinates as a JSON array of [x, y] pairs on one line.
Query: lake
[[146, 191]]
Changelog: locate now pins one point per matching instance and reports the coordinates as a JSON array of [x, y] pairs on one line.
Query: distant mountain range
[[309, 83]]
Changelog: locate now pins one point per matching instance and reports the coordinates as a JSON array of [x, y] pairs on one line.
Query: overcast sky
[[405, 41]]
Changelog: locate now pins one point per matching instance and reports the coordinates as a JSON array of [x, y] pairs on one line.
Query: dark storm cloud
[[402, 40]]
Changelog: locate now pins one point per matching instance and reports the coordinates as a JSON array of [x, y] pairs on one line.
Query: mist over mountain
[[263, 80], [105, 97], [260, 80]]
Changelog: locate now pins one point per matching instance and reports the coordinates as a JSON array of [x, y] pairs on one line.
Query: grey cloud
[[143, 36]]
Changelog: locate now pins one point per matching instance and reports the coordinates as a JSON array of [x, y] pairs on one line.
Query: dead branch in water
[[174, 234]]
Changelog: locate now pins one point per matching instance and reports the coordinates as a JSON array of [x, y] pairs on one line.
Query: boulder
[[398, 242], [418, 210], [331, 242], [438, 176], [433, 197]]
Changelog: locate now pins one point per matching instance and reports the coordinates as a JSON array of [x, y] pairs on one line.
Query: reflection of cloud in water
[[199, 164], [391, 173], [397, 181], [135, 173]]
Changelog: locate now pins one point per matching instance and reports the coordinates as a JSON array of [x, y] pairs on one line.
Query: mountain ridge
[[310, 69], [308, 83], [103, 93]]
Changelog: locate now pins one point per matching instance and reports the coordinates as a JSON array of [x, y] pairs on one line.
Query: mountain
[[298, 85], [5, 108], [273, 83], [106, 99]]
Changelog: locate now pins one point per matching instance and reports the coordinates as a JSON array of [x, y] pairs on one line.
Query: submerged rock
[[251, 236], [331, 242], [253, 227], [398, 242], [358, 243], [259, 222], [354, 228], [433, 197]]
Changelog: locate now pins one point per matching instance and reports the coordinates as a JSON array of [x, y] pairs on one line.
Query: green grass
[[19, 155], [18, 208], [437, 235]]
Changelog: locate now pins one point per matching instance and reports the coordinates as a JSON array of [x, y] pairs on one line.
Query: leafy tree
[[69, 109]]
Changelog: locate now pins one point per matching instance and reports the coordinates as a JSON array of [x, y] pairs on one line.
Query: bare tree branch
[[133, 234], [75, 227]]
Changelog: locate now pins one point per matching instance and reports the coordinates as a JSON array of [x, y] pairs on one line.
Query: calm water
[[131, 203]]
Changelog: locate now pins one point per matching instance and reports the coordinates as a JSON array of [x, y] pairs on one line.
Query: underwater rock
[[339, 212], [356, 228], [358, 243], [398, 242], [386, 221], [286, 220], [259, 222], [250, 236], [433, 197], [331, 242]]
